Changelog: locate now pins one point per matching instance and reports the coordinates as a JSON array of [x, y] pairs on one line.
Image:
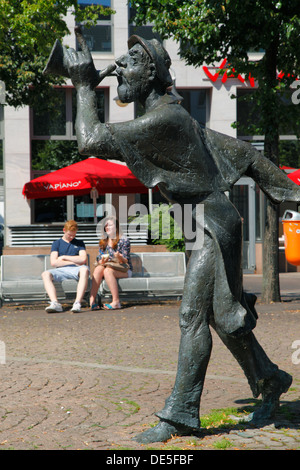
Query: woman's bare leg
[[98, 275], [111, 276]]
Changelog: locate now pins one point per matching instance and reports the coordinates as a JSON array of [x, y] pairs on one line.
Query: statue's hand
[[80, 64]]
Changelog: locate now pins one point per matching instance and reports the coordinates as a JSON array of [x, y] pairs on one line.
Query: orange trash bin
[[291, 232]]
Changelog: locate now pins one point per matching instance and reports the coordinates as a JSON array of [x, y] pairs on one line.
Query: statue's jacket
[[168, 148]]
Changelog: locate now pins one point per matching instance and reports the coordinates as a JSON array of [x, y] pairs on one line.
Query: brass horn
[[56, 62]]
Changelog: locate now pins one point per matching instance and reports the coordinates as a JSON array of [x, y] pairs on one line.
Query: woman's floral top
[[123, 247]]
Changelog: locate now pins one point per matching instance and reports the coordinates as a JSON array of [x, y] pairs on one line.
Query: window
[[49, 210], [84, 208], [239, 196], [55, 123], [54, 146], [1, 135], [248, 114], [259, 213], [145, 32], [60, 123], [196, 103], [52, 123], [99, 37], [55, 209]]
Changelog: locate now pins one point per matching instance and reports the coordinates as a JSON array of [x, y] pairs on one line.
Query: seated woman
[[116, 246]]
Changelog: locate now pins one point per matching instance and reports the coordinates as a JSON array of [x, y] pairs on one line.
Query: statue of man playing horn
[[190, 165]]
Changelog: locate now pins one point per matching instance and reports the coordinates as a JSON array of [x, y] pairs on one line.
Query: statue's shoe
[[162, 432], [272, 389]]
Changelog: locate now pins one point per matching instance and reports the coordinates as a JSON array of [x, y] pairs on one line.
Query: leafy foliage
[[209, 29], [162, 228], [54, 154], [28, 30]]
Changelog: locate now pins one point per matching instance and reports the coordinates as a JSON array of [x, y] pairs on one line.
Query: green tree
[[28, 30], [210, 29], [54, 154]]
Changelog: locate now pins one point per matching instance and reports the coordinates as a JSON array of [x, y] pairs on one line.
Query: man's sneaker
[[76, 307], [54, 307]]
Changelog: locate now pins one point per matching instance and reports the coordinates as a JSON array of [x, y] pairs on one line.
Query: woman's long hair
[[104, 239]]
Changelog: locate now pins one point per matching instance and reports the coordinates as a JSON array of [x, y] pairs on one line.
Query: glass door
[[242, 196]]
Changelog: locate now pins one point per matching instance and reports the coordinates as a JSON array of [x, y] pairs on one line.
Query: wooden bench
[[154, 275]]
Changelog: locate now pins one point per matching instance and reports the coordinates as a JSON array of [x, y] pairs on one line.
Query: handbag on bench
[[115, 264]]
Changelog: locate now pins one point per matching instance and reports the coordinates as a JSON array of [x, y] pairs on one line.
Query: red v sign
[[214, 77]]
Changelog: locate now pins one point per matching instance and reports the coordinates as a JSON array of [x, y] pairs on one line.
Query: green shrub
[[162, 228]]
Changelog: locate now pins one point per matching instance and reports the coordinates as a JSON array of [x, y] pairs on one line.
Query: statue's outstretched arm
[[273, 181]]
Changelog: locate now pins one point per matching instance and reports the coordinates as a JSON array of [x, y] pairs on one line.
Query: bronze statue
[[168, 148]]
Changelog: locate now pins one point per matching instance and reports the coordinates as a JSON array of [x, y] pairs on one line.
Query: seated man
[[68, 258]]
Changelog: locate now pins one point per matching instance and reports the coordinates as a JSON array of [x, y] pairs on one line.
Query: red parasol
[[295, 176], [81, 177]]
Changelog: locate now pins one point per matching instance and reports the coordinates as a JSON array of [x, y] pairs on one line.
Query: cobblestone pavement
[[93, 380]]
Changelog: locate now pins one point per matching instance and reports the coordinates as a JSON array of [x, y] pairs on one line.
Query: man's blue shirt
[[70, 249]]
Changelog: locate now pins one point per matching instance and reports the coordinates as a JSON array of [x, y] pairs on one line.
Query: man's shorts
[[66, 272]]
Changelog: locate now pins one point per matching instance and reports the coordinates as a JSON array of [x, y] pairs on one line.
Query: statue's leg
[[263, 375], [181, 412]]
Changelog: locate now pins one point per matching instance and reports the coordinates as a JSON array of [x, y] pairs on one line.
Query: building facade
[[207, 94]]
